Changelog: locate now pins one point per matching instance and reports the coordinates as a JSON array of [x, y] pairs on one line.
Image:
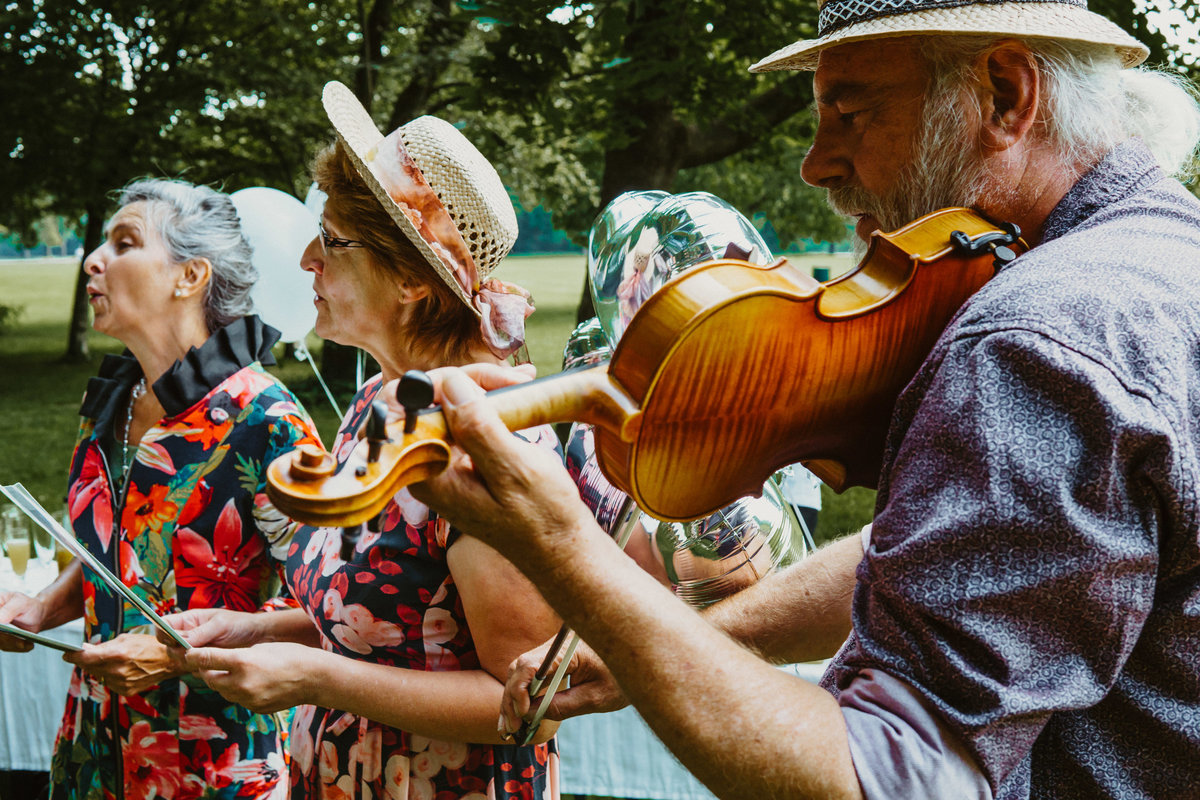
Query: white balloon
[[315, 200], [278, 228]]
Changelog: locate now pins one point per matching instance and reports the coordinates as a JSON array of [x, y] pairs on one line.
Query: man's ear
[[1011, 85], [194, 277]]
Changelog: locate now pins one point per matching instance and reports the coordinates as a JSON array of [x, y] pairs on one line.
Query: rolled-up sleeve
[[901, 747]]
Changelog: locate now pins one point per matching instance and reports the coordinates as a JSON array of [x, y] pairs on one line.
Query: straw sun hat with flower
[[448, 201], [844, 21]]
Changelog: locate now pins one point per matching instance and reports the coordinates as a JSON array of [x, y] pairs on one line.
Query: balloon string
[[303, 354]]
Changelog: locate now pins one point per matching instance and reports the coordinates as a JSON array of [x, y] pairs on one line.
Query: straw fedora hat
[[466, 185], [843, 21]]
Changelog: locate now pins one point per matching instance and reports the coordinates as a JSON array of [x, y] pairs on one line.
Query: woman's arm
[[58, 603], [506, 617], [506, 614], [220, 627]]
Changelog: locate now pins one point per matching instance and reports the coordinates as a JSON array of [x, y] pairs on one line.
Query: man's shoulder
[[1121, 287], [1142, 249]]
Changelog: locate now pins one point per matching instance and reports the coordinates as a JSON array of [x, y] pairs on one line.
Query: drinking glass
[[43, 546], [16, 542], [61, 554]]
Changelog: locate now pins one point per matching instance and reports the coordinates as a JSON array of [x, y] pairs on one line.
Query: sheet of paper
[[13, 630], [33, 509]]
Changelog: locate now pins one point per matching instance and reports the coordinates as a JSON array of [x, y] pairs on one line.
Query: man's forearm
[[800, 614], [744, 728]]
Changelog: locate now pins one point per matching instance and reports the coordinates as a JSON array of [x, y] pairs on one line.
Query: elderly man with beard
[[1024, 620]]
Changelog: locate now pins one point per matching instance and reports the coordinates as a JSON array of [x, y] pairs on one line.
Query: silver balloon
[[639, 242], [643, 239], [587, 345], [722, 554]]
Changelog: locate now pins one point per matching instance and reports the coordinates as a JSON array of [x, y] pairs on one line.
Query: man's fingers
[[489, 376], [476, 426], [587, 698]]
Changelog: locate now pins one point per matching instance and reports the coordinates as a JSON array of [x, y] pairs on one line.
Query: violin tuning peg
[[350, 536], [376, 430], [735, 250], [414, 391], [310, 463]]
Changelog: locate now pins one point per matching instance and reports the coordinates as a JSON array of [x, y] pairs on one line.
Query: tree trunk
[[77, 346]]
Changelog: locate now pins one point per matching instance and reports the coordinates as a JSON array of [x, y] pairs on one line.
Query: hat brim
[[357, 131], [1056, 21]]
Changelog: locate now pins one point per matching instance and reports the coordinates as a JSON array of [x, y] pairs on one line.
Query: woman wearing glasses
[[417, 628]]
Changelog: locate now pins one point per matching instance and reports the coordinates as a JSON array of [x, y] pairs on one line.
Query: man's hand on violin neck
[[487, 376], [514, 495]]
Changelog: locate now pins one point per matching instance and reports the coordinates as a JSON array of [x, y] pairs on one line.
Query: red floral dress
[[395, 603], [190, 528]]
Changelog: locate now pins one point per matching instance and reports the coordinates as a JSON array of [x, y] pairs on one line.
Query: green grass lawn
[[40, 394]]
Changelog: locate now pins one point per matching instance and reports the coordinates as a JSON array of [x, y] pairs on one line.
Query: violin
[[727, 373]]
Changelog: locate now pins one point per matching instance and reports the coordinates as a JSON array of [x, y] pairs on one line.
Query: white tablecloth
[[617, 755], [33, 685], [33, 693]]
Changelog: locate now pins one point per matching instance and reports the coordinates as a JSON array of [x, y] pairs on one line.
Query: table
[[33, 688], [617, 755]]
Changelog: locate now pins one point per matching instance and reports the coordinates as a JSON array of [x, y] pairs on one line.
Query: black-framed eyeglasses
[[328, 241]]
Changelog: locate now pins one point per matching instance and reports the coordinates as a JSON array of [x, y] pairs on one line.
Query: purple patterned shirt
[[1032, 583]]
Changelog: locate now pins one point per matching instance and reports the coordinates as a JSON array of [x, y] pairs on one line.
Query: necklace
[[138, 390]]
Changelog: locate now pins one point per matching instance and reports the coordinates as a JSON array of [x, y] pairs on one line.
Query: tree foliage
[[574, 101], [109, 91], [635, 95]]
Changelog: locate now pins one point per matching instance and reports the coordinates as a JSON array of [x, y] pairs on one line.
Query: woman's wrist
[[56, 607], [290, 625], [321, 677]]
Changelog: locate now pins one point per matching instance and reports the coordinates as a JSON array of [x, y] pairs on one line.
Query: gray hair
[[1090, 103], [199, 222]]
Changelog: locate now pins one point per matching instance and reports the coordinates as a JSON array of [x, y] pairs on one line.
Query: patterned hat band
[[837, 14], [848, 21]]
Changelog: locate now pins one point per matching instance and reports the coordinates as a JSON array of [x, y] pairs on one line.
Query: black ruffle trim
[[237, 345], [187, 382]]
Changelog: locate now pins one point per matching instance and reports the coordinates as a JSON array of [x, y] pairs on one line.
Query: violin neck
[[588, 394]]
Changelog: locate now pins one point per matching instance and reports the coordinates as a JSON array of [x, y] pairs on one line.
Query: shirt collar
[[1129, 168]]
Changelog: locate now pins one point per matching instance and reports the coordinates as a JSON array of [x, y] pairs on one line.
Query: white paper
[[33, 509]]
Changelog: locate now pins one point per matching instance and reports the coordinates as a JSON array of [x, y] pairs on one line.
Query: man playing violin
[[1024, 618]]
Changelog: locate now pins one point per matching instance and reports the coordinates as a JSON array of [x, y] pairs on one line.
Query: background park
[[574, 102]]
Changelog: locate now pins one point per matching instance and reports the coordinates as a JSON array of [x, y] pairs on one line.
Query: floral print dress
[[395, 603], [190, 527]]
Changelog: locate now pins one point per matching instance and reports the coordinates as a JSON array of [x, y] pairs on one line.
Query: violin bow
[[567, 640]]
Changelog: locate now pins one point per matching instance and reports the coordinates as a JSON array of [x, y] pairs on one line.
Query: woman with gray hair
[[166, 488]]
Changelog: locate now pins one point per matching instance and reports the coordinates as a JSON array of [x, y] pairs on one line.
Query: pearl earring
[[179, 293]]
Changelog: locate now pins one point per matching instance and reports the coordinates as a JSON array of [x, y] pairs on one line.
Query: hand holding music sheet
[[27, 503]]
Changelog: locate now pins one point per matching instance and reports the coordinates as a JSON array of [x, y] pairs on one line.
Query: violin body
[[727, 373]]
